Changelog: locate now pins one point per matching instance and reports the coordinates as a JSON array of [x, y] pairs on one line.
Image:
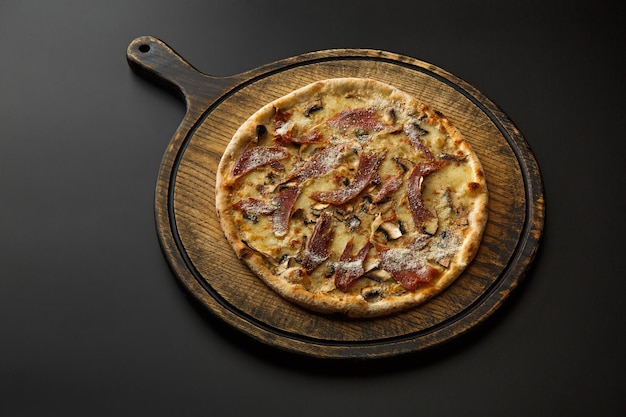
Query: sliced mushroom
[[445, 261], [261, 130], [454, 158], [371, 264], [312, 108], [320, 206], [287, 262], [317, 209], [378, 275], [378, 220], [392, 230], [344, 214], [382, 207], [371, 294], [404, 164], [389, 116]]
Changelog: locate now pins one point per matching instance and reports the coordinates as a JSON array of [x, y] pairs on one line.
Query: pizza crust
[[456, 192]]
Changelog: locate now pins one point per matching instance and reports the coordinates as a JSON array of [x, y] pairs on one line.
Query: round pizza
[[350, 196]]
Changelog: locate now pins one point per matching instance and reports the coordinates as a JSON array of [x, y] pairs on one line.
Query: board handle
[[154, 60]]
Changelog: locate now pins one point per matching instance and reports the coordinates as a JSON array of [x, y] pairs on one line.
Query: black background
[[93, 322]]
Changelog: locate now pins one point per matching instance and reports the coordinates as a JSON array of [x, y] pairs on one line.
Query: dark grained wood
[[202, 260]]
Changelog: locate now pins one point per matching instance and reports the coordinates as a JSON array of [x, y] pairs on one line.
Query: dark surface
[[93, 322]]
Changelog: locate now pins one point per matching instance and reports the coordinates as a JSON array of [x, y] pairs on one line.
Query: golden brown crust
[[456, 191]]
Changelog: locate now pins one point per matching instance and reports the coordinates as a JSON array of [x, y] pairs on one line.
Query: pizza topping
[[280, 209], [350, 268], [353, 223], [317, 248], [389, 116], [254, 207], [261, 130], [403, 163], [415, 133], [368, 165], [320, 164], [365, 118], [281, 117], [421, 241], [287, 137], [455, 158], [283, 204], [412, 278], [283, 134], [391, 230], [371, 294], [461, 216], [316, 106], [256, 156], [422, 216], [282, 126], [314, 136], [405, 268], [378, 275], [389, 186]]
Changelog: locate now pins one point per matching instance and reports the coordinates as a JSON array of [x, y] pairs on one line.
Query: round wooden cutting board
[[202, 259]]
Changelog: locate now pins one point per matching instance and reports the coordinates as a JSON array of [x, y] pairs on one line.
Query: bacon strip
[[317, 248], [405, 269], [415, 133], [368, 165], [319, 165], [420, 213], [365, 118], [390, 185], [256, 156], [350, 268], [283, 204]]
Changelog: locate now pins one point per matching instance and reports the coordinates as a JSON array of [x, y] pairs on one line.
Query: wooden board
[[202, 259]]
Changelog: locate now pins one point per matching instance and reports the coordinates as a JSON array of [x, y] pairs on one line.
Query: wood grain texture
[[200, 256]]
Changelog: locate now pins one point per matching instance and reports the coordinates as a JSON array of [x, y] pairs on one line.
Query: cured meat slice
[[368, 165], [350, 268], [318, 247], [415, 133], [314, 136], [320, 164], [280, 209], [254, 206], [406, 268], [256, 156], [283, 204], [365, 118], [422, 216], [389, 186]]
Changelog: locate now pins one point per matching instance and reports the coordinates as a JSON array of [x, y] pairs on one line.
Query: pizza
[[350, 196]]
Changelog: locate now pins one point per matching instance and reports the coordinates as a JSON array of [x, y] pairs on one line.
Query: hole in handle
[[144, 48]]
